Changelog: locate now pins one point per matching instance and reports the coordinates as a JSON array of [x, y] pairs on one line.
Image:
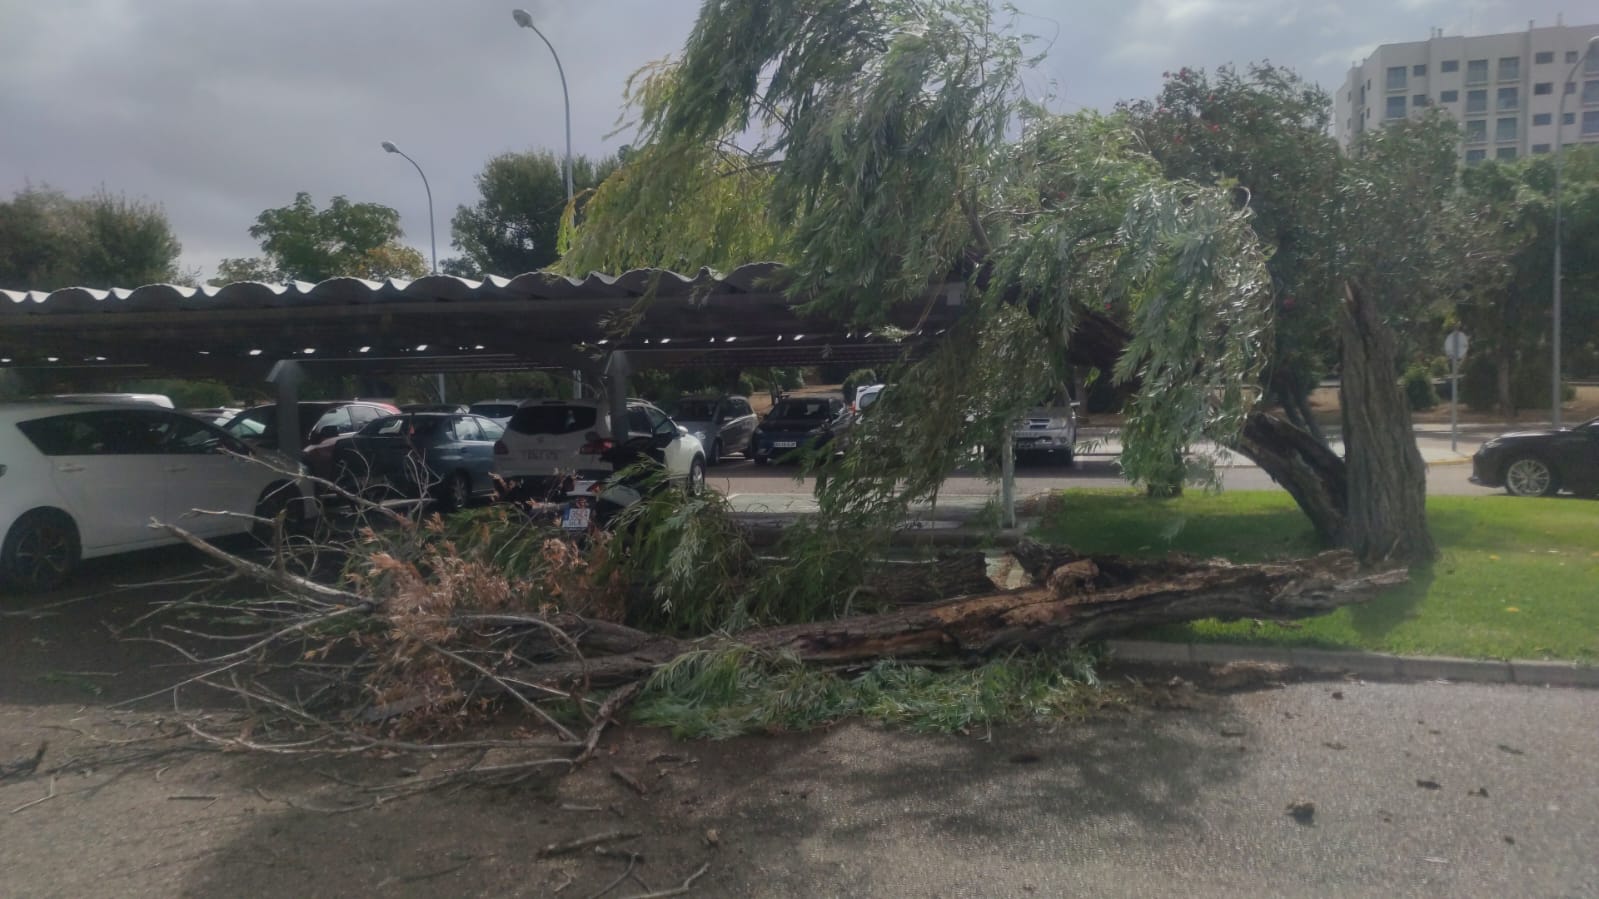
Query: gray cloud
[[221, 108]]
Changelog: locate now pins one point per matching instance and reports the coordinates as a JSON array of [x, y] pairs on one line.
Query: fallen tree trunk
[[1086, 599], [1313, 474]]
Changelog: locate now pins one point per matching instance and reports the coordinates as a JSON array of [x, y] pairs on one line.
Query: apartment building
[[1503, 88]]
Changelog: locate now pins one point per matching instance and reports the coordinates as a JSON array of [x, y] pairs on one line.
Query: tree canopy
[[515, 224], [302, 243], [49, 240]]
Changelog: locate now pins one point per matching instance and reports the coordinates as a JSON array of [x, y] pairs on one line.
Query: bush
[[1418, 388], [1529, 385]]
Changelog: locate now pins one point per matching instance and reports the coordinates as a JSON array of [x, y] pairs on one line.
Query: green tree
[[1510, 324], [515, 224], [49, 240], [302, 243]]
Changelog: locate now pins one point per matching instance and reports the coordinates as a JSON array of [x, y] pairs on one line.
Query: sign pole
[[1454, 401]]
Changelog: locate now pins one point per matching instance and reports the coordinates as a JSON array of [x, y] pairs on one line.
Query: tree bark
[[1386, 517], [1304, 466], [1085, 599]]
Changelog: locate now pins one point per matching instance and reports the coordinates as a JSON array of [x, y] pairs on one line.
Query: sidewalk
[[1372, 665], [1432, 440]]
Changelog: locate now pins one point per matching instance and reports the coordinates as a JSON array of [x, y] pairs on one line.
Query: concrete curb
[[1373, 665]]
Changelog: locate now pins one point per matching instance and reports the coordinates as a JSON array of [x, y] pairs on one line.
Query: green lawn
[[1516, 578]]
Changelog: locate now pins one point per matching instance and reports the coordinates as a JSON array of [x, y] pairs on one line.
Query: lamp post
[[1560, 128], [526, 21], [433, 242]]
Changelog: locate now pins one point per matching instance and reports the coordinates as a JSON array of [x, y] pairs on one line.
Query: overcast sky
[[217, 109]]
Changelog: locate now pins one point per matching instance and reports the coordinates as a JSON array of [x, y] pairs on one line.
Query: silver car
[[723, 424]]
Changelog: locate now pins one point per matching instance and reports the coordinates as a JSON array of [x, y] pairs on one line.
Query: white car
[[83, 480], [547, 441], [1049, 428]]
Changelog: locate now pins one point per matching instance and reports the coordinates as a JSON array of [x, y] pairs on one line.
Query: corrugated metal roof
[[754, 277]]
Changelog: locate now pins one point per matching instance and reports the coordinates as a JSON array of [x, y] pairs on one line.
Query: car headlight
[[700, 436]]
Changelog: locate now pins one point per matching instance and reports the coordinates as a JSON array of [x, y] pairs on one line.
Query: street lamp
[[433, 242], [1560, 127], [526, 21]]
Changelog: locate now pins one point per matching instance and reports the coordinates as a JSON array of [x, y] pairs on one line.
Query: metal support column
[[287, 374], [616, 375], [1007, 479]]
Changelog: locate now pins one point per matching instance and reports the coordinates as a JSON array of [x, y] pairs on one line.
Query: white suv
[[547, 441], [83, 480], [1049, 428]]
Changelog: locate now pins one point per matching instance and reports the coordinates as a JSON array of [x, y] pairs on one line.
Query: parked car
[[1050, 429], [84, 480], [1541, 463], [435, 407], [499, 410], [322, 425], [447, 455], [721, 424], [799, 423], [549, 441], [866, 396], [149, 399], [217, 415]]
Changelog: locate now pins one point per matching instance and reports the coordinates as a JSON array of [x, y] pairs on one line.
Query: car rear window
[[552, 419], [63, 435], [802, 409]]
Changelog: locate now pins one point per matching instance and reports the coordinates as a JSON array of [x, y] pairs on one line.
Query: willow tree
[[884, 147]]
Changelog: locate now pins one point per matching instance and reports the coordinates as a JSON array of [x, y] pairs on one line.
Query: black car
[[449, 455], [799, 423], [1541, 463]]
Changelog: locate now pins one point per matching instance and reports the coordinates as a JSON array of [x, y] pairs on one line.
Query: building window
[[1476, 131], [1505, 129], [1396, 107], [1568, 118], [1544, 57], [1449, 97], [1590, 92], [1418, 100], [1475, 156], [1505, 153], [1540, 149], [1539, 119], [1543, 88], [1508, 98], [1449, 65], [1571, 57], [1590, 122], [1396, 78], [1476, 71], [1509, 68], [1418, 71], [1476, 101]]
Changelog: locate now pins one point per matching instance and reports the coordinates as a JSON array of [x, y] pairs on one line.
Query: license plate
[[576, 518], [539, 455], [784, 444]]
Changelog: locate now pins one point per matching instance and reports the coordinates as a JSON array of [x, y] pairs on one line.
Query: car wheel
[[40, 552], [1530, 476], [695, 484], [763, 460], [281, 498], [455, 493], [715, 457], [1067, 457]]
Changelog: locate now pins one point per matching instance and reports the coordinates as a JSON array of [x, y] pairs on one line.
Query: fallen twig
[[632, 861], [24, 767], [581, 843], [608, 709], [632, 782], [676, 891], [45, 798]]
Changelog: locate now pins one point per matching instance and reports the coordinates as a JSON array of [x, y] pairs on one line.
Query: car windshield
[[696, 410], [818, 408]]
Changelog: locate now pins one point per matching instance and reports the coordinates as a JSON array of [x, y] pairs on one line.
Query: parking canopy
[[660, 318]]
